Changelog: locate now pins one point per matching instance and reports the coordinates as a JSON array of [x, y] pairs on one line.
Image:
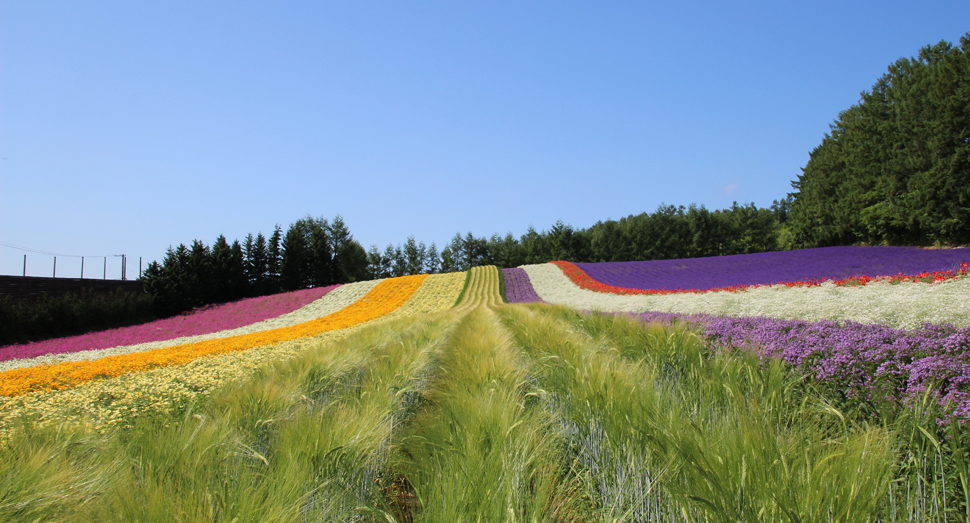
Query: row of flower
[[329, 302], [904, 305], [381, 300], [202, 321], [518, 288], [581, 278], [868, 362], [439, 292], [845, 264], [117, 400]]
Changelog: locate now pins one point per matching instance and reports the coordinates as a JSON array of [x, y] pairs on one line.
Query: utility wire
[[38, 251]]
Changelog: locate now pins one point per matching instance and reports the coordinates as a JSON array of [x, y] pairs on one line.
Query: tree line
[[313, 252], [668, 233]]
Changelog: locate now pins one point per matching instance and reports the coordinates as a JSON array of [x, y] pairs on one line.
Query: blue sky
[[126, 127]]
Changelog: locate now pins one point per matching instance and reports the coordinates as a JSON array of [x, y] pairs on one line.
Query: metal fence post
[[55, 267]]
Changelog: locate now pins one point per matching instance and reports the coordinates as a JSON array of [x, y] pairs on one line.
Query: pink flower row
[[206, 320]]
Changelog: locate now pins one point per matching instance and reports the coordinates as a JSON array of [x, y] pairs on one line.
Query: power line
[[38, 251]]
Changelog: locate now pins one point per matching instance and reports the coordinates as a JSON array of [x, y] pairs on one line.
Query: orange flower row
[[381, 300]]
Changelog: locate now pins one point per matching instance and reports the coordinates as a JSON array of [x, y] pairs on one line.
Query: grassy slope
[[501, 413]]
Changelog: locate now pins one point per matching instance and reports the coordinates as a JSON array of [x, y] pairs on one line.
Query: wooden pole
[[82, 267]]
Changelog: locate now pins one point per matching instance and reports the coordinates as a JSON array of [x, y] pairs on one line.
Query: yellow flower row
[[118, 401], [384, 298], [438, 293], [483, 288]]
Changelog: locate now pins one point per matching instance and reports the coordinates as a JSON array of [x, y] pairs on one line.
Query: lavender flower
[[775, 267], [866, 362], [518, 288]]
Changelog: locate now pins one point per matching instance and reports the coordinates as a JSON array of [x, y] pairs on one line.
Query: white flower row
[[329, 303], [902, 305]]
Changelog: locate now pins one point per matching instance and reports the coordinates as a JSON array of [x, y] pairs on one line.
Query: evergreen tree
[[221, 271], [399, 267], [294, 273], [895, 167], [321, 264], [274, 261], [256, 257], [197, 281], [434, 262], [238, 283], [375, 263], [387, 261], [413, 256]]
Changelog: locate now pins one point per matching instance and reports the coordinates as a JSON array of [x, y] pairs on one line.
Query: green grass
[[505, 413], [464, 289]]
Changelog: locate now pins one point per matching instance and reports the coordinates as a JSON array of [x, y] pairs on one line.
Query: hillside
[[554, 392]]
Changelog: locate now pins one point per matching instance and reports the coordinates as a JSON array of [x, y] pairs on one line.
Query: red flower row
[[580, 278]]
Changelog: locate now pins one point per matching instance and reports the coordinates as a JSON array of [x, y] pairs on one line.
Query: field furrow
[[483, 288]]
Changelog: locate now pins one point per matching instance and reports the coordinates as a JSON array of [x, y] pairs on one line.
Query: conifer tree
[[221, 272], [413, 257], [374, 262], [197, 284], [294, 272], [274, 260], [321, 264], [238, 283], [433, 261], [256, 257], [895, 167]]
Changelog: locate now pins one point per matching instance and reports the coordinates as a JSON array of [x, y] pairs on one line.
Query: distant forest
[[894, 170]]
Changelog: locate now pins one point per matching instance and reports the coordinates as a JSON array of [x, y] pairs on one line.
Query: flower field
[[818, 385], [203, 321], [904, 305], [741, 270]]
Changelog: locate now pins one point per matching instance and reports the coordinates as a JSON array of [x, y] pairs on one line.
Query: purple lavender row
[[775, 267], [518, 288], [868, 362]]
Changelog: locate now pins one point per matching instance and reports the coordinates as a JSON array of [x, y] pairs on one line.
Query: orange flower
[[381, 300]]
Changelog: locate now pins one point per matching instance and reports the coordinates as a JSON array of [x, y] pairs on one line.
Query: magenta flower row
[[205, 320]]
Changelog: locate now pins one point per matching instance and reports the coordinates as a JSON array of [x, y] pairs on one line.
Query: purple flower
[[868, 362], [518, 288], [775, 267]]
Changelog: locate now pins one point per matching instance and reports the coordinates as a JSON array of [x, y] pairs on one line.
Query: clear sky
[[126, 127]]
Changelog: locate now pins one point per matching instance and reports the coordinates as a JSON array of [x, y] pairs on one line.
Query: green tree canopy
[[896, 166]]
